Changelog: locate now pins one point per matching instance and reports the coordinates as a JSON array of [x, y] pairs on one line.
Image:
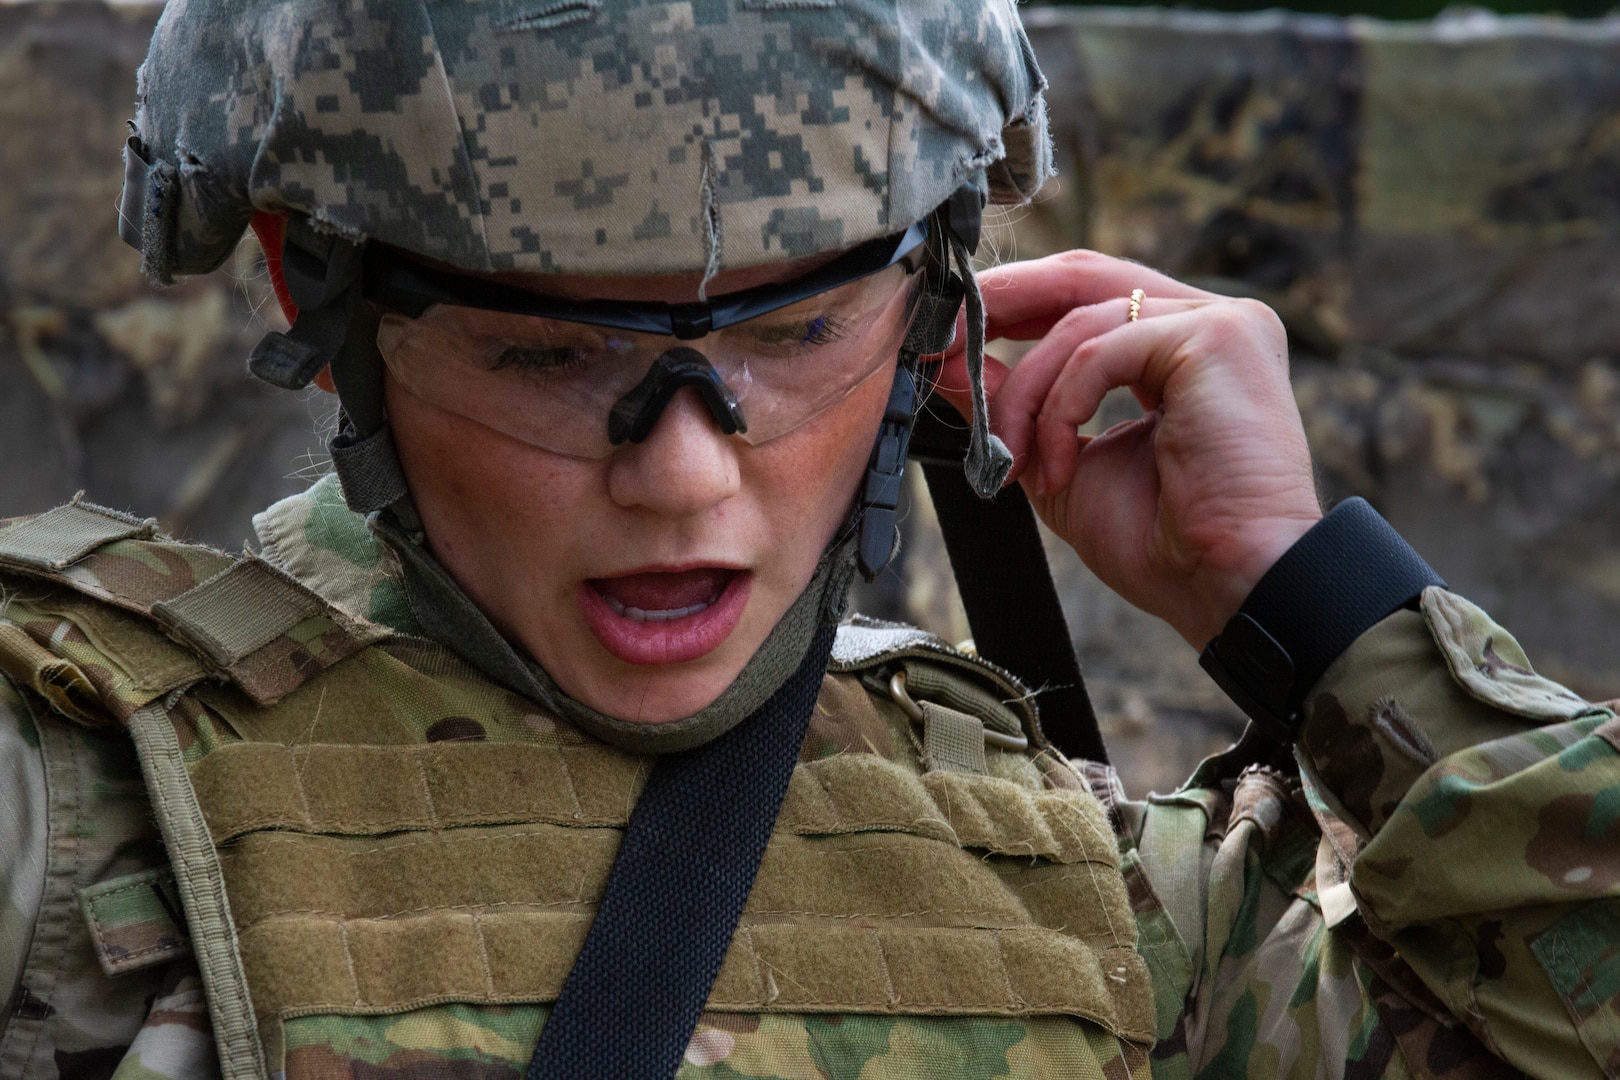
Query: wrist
[[1263, 546], [1345, 574]]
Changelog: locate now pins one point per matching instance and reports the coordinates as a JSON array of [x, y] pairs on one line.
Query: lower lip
[[677, 641]]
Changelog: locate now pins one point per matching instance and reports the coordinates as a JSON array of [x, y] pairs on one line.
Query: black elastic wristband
[[1344, 576]]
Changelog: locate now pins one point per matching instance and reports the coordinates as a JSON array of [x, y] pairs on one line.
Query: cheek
[[810, 476], [477, 492]]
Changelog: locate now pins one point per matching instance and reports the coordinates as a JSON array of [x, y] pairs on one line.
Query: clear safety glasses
[[581, 377]]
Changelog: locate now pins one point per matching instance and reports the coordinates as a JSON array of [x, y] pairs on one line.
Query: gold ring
[[1137, 296]]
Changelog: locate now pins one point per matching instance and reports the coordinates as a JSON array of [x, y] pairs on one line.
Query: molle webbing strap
[[882, 891], [676, 892], [1006, 587], [952, 741], [61, 537], [202, 892], [239, 611], [134, 921]]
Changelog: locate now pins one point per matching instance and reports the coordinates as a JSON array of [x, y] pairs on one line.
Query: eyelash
[[824, 330], [543, 358]]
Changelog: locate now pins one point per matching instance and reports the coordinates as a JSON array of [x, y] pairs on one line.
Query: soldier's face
[[643, 582]]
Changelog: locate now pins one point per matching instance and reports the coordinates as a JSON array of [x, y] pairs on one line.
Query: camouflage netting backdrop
[[1433, 208]]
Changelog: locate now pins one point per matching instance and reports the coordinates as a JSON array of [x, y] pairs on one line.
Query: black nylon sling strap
[[1006, 585], [676, 892]]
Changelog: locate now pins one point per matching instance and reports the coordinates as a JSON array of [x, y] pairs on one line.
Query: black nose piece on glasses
[[633, 416]]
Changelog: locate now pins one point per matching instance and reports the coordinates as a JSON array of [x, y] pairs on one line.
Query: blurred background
[[1431, 199]]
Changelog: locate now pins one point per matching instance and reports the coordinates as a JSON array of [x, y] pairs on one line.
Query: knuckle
[[1262, 316], [1082, 259], [1073, 321], [1244, 322], [1086, 353]]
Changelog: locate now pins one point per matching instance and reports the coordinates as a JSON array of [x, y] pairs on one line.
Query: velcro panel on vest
[[135, 920], [236, 613], [248, 787], [251, 787], [382, 878], [59, 538], [308, 965], [265, 629]]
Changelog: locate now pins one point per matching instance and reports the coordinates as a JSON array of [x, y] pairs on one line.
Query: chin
[[661, 697]]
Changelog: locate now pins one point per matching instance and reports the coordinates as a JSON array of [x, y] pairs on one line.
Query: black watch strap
[[1349, 572]]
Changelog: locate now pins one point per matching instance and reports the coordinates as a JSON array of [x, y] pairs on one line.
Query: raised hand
[[1182, 510]]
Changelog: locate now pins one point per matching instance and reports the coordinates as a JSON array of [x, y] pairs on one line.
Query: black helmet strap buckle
[[878, 504]]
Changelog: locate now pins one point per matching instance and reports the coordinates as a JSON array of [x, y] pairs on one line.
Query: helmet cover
[[581, 136]]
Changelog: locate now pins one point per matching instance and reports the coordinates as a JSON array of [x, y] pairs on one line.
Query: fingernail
[[1040, 481]]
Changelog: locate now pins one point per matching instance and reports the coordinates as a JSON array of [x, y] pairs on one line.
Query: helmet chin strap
[[953, 236]]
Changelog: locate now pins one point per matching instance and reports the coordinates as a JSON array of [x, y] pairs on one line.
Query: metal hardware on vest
[[675, 894], [909, 706], [1346, 574], [1006, 586], [879, 500], [634, 415]]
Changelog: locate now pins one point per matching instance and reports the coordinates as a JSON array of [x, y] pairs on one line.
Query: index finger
[[1023, 300]]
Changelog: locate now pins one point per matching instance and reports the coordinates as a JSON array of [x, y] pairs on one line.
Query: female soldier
[[528, 744]]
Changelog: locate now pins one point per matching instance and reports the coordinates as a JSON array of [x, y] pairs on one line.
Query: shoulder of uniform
[[101, 615]]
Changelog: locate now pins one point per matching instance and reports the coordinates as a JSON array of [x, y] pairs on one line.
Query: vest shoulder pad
[[923, 673], [103, 615]]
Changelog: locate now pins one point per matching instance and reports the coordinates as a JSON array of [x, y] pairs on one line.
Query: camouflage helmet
[[578, 136]]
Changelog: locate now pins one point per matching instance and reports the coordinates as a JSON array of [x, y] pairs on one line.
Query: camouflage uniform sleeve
[[22, 835], [1432, 889], [1485, 805]]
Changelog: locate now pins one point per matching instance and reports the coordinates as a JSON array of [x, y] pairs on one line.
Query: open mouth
[[664, 617], [664, 597]]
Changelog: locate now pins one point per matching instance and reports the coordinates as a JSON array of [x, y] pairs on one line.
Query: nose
[[684, 466]]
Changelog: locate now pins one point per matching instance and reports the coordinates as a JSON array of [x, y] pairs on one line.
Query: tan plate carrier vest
[[359, 823]]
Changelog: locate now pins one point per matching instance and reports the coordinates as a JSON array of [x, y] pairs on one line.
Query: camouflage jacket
[[1429, 886]]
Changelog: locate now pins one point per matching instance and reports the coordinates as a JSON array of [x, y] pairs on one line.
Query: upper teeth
[[653, 616]]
